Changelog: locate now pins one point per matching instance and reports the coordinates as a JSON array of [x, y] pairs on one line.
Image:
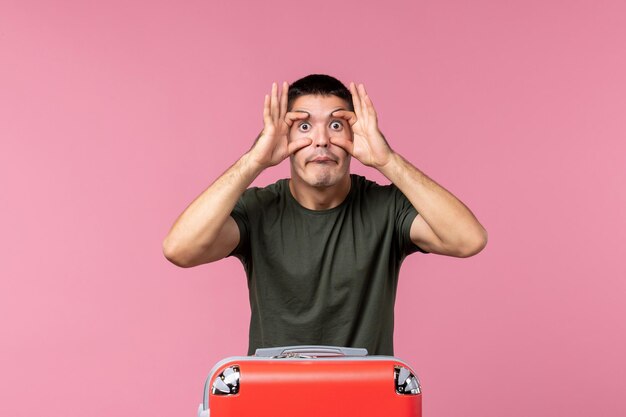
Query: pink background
[[115, 115]]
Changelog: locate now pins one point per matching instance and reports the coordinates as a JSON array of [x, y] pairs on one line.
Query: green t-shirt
[[323, 277]]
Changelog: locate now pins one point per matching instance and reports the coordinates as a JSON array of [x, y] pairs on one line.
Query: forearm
[[449, 219], [199, 225]]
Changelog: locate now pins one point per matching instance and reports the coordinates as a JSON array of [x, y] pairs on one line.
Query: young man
[[322, 250]]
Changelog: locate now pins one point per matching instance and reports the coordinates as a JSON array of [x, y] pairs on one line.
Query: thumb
[[298, 144], [345, 144]]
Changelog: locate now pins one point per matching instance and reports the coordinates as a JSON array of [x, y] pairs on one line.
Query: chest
[[340, 246]]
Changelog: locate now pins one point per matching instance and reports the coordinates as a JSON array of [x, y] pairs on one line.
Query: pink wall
[[115, 115]]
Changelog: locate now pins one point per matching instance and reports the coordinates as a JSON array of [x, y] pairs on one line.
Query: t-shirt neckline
[[300, 207]]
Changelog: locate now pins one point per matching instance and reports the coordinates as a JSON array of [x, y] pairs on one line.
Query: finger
[[345, 144], [367, 110], [367, 101], [362, 95], [370, 107], [267, 119], [274, 102], [347, 115], [298, 144], [362, 91], [356, 99], [283, 100], [295, 115]]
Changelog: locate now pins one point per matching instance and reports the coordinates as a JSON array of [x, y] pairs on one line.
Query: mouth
[[322, 160]]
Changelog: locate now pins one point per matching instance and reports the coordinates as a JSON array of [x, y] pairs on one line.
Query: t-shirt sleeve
[[405, 214], [240, 215]]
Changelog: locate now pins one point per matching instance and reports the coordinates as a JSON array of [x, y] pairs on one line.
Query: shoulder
[[386, 200], [263, 196], [371, 190]]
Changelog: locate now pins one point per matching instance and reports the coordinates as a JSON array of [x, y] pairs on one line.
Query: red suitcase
[[315, 381]]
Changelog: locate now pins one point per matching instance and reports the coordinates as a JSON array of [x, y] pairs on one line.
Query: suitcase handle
[[309, 351]]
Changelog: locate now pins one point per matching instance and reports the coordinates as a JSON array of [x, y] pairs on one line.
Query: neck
[[320, 198]]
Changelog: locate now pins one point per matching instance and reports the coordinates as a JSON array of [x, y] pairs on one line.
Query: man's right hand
[[272, 145], [205, 231]]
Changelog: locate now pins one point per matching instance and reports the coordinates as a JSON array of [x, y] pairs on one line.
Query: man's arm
[[205, 231], [444, 224]]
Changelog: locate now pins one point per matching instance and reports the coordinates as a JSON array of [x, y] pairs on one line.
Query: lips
[[322, 159]]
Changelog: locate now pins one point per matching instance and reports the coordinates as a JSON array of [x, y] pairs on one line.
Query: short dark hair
[[318, 84]]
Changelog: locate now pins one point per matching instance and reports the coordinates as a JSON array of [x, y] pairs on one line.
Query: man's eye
[[304, 127], [336, 125]]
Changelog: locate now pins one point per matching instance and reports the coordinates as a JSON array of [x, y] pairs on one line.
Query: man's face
[[321, 164]]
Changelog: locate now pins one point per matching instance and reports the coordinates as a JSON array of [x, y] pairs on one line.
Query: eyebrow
[[329, 115]]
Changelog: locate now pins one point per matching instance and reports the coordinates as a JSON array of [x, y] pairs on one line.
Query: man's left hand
[[368, 144]]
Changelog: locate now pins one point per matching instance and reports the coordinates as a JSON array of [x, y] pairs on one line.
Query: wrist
[[391, 167], [382, 147], [388, 162], [251, 165]]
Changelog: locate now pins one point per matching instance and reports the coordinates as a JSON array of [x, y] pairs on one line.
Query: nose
[[322, 139]]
